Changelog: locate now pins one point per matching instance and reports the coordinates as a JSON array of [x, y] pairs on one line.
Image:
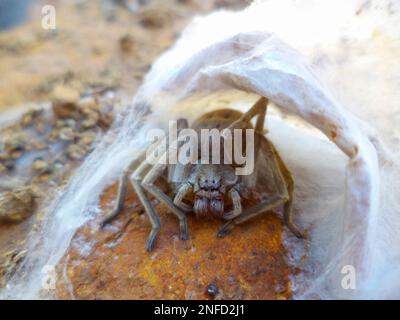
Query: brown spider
[[208, 189]]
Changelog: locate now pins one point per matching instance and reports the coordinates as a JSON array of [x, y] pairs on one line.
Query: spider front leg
[[250, 213], [155, 172], [183, 190], [122, 189], [237, 205], [148, 184], [136, 180]]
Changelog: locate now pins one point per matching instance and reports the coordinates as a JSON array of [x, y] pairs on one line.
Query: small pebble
[[40, 165], [212, 289], [76, 152], [67, 134]]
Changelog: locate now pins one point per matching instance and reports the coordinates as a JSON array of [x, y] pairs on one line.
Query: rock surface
[[17, 205], [249, 263]]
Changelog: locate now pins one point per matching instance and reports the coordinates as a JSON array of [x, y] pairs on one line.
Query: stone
[[76, 151], [9, 264], [65, 109], [16, 142], [67, 134], [29, 117], [91, 118], [88, 102], [40, 165], [249, 263], [65, 93], [17, 205], [87, 138]]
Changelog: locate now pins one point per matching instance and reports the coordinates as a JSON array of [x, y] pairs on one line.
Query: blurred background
[[87, 45]]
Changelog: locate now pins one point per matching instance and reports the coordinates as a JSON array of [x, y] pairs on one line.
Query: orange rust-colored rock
[[249, 263]]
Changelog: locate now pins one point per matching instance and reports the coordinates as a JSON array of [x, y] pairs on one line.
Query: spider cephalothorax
[[209, 193], [210, 184]]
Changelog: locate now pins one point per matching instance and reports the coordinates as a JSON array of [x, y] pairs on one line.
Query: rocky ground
[[39, 152], [97, 54]]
